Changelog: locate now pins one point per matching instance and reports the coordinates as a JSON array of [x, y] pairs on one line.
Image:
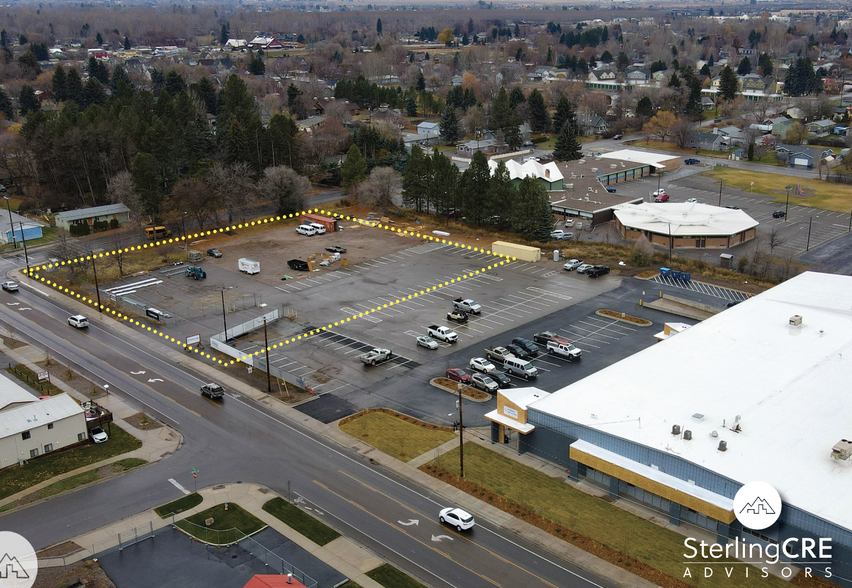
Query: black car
[[336, 249], [597, 271], [617, 137], [732, 303], [691, 161], [544, 337], [518, 351], [733, 207], [779, 214], [527, 345], [502, 379], [610, 189], [214, 253]]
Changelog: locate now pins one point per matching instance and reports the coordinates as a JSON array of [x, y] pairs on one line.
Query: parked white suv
[[319, 228], [306, 230], [78, 321]]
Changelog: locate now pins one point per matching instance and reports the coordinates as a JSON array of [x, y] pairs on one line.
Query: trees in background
[[660, 125], [450, 125], [729, 86], [353, 170], [567, 146], [801, 79]]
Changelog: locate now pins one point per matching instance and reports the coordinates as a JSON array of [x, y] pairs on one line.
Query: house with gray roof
[[802, 156], [90, 216]]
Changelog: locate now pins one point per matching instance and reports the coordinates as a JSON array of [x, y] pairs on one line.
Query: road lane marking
[[178, 486]]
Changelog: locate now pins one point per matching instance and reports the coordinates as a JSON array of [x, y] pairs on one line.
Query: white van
[[520, 367], [320, 228], [306, 230]]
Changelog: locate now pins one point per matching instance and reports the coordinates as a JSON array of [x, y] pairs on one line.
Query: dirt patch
[[12, 343], [89, 572], [142, 422], [64, 374], [597, 549], [625, 318], [398, 415], [647, 275], [451, 386], [66, 548]]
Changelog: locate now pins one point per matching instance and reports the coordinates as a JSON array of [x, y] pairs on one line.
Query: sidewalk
[[342, 554], [331, 432], [157, 444]]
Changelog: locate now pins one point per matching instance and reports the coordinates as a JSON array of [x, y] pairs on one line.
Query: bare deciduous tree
[[282, 185], [381, 188], [233, 186], [120, 188]]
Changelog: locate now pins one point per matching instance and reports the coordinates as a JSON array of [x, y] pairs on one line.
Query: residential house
[[265, 43], [738, 154], [487, 144], [732, 136], [591, 124], [706, 141], [238, 44], [660, 78], [90, 216], [603, 74], [707, 103], [40, 427], [457, 80], [19, 228], [311, 124], [429, 130], [637, 77], [802, 156], [780, 126], [821, 127]]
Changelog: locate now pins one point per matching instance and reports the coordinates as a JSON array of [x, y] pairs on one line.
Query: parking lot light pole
[[787, 207], [11, 226], [183, 225], [850, 221], [97, 289], [461, 433], [266, 345], [224, 319], [670, 243], [720, 191], [808, 246], [26, 255]]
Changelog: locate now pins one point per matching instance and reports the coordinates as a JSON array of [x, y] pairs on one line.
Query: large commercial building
[[755, 393]]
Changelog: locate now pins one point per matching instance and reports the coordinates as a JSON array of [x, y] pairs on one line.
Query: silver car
[[10, 286], [484, 383], [584, 267], [427, 342]]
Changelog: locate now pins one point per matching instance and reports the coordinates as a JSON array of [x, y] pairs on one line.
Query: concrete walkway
[[342, 554], [157, 444]]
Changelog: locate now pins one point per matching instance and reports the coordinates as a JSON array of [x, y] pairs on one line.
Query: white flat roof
[[523, 397], [37, 414], [511, 423], [643, 157], [683, 219], [787, 384]]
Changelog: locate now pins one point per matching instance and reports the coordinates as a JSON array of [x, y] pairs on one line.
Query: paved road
[[239, 440]]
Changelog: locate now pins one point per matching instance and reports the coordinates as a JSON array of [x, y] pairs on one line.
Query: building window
[[49, 426], [33, 453], [81, 436], [25, 435], [48, 447]]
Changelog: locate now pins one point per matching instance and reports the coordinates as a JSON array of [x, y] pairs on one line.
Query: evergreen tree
[[765, 64], [40, 51], [801, 79], [223, 35], [97, 70], [74, 86], [28, 101], [705, 70], [503, 121], [174, 83], [379, 27], [450, 125], [533, 214], [744, 68], [474, 189], [728, 84], [516, 96], [751, 151], [158, 80], [236, 144], [415, 180], [644, 108], [411, 107], [6, 105], [284, 138], [121, 84], [442, 187], [257, 67], [59, 84], [549, 58], [502, 194], [564, 113], [693, 101], [29, 64], [126, 43], [674, 81], [146, 178], [4, 38], [99, 39], [204, 90], [567, 146], [539, 117], [353, 170], [293, 92], [22, 40], [420, 86], [93, 93]]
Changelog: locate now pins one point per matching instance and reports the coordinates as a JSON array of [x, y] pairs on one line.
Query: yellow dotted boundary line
[[134, 322]]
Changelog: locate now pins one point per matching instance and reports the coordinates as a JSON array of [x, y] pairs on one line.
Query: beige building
[[29, 430], [511, 414]]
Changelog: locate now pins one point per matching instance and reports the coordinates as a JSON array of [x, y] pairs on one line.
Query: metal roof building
[[31, 430]]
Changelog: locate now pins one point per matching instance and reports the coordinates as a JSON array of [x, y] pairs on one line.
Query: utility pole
[[670, 243], [224, 319], [720, 191], [11, 226], [183, 225], [787, 207], [97, 289], [850, 221], [26, 255], [266, 344], [461, 433], [808, 246]]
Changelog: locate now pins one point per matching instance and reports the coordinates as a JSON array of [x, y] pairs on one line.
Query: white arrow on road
[[410, 522], [154, 380], [12, 303], [25, 308], [439, 538], [138, 373]]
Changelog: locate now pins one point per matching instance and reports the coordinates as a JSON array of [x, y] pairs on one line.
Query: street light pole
[[224, 319], [97, 288], [183, 224], [808, 246], [11, 226], [26, 255], [787, 207], [461, 433], [720, 191], [266, 344], [670, 243], [850, 221]]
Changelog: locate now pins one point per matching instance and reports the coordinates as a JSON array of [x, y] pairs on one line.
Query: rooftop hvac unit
[[581, 161], [796, 320], [723, 445], [595, 170], [569, 186], [675, 429], [612, 166], [687, 435], [582, 176], [842, 449], [714, 434]]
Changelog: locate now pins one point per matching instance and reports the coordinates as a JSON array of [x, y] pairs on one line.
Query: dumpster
[[299, 265], [665, 272]]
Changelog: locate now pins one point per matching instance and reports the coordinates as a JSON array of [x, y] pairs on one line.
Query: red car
[[662, 198], [458, 375]]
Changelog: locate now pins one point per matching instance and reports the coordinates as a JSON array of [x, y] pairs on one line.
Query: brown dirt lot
[[88, 571]]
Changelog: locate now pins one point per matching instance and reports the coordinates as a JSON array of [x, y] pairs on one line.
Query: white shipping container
[[249, 266], [522, 252]]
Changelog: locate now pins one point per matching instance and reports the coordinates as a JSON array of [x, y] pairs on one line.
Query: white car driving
[[480, 364], [456, 517], [427, 342]]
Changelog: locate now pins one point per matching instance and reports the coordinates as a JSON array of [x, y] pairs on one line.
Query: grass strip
[[300, 521], [398, 436], [178, 506], [391, 577]]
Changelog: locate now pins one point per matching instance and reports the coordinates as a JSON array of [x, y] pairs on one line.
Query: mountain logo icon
[[10, 567], [757, 505]]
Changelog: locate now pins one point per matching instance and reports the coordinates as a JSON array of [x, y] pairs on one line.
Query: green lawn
[[228, 525], [17, 478], [48, 235], [87, 477], [180, 505], [820, 194], [30, 378], [393, 436], [587, 515], [300, 521], [390, 577]]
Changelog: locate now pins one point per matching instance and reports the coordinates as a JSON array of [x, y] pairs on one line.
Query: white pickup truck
[[445, 334], [376, 356], [467, 305], [564, 349]]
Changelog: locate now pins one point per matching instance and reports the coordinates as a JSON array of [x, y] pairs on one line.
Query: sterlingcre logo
[[18, 563], [757, 505]]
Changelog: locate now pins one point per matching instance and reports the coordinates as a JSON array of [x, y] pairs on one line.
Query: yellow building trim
[[696, 504]]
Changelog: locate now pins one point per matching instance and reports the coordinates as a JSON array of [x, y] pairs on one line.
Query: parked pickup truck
[[498, 354], [564, 349], [467, 305], [212, 390], [376, 356], [457, 316], [445, 334]]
